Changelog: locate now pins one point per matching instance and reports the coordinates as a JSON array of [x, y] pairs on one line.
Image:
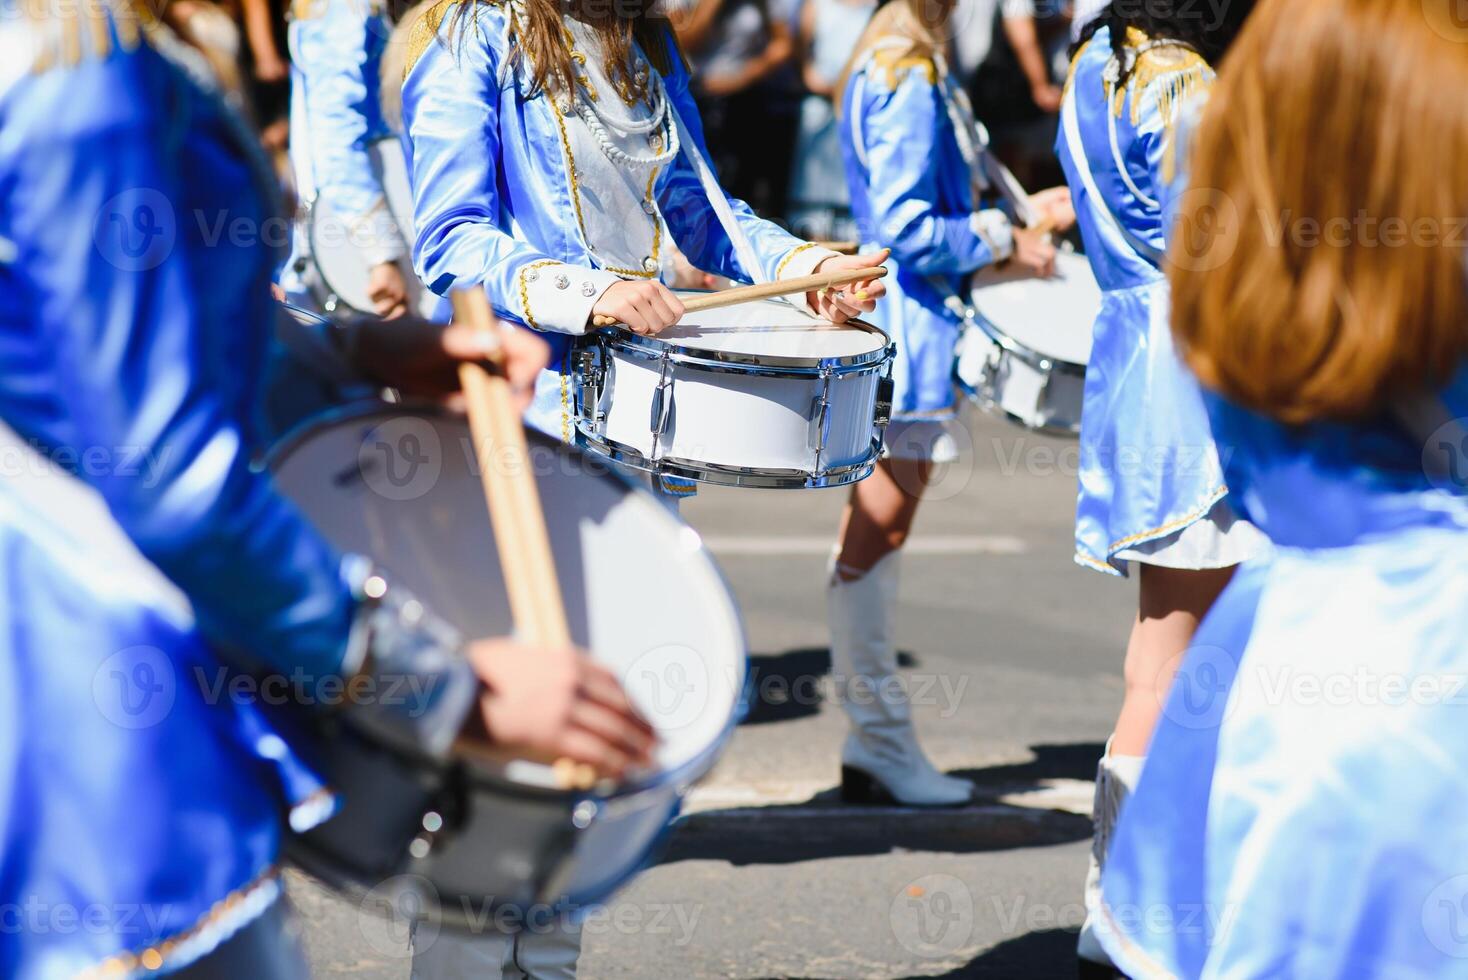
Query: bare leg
[[879, 515], [1173, 601]]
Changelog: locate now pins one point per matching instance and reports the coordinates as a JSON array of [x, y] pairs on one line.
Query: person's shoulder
[[1165, 77], [72, 65], [452, 26], [889, 67]]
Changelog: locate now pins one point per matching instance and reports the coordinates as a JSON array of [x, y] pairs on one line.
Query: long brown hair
[[1330, 189], [619, 24]]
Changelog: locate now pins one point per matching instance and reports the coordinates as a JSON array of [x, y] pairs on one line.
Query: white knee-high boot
[[881, 760], [1116, 778]]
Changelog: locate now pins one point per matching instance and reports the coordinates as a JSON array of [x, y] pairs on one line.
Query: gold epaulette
[[897, 62], [73, 31], [1178, 72], [427, 18]]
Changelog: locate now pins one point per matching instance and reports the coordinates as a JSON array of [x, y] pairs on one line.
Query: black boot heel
[[858, 786]]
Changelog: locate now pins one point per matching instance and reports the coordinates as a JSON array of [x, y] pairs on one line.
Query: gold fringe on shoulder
[[1179, 72], [423, 23], [897, 63], [74, 31]]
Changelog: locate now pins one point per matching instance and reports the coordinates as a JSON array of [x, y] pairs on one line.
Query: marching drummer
[[1133, 72], [337, 48], [557, 157], [126, 784], [916, 178]]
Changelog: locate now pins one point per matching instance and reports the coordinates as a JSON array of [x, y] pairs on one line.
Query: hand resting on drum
[[548, 704], [420, 358], [388, 290], [646, 308], [1033, 250]]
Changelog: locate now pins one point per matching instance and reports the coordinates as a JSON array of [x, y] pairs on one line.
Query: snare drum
[[642, 595], [756, 395], [1024, 348], [339, 279]]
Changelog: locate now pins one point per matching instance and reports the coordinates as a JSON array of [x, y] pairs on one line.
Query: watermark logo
[[933, 916], [1207, 230], [1445, 917], [135, 688], [1199, 695], [136, 230], [400, 915], [401, 459], [1447, 18], [671, 685]]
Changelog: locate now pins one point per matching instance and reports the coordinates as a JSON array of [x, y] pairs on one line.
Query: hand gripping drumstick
[[768, 290], [514, 501]]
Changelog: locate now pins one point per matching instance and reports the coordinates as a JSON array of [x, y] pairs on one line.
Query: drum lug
[[662, 407], [883, 406], [820, 416], [591, 376]]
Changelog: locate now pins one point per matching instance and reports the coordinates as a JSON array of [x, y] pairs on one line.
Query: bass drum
[[642, 595], [340, 280]]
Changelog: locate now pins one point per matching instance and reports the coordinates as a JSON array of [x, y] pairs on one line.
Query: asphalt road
[[768, 875]]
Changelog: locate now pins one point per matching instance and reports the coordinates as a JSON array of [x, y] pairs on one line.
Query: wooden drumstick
[[509, 485], [515, 513], [768, 290]]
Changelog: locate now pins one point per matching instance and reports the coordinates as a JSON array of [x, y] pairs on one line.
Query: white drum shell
[[732, 417], [1024, 352]]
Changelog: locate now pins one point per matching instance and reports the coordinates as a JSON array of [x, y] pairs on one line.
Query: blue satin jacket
[[134, 533], [912, 192], [1300, 813], [501, 200], [1148, 465]]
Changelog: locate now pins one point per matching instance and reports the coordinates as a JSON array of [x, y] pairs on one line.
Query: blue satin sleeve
[[105, 351], [900, 130], [451, 109], [336, 55], [690, 218]]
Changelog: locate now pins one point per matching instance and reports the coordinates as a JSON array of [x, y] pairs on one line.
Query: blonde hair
[[1329, 180], [922, 24]]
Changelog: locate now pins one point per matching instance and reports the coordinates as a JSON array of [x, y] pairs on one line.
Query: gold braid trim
[[157, 956], [525, 289], [780, 269]]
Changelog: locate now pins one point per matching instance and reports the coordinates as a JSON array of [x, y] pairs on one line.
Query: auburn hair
[[1318, 267]]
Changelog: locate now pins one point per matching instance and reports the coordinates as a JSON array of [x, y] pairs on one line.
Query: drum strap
[[1070, 120], [718, 200]]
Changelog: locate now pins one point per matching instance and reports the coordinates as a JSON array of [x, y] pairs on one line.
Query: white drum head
[[1053, 317], [770, 328], [641, 593]]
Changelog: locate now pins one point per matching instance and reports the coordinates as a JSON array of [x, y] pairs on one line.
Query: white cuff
[[802, 261], [376, 235], [992, 225], [559, 297]]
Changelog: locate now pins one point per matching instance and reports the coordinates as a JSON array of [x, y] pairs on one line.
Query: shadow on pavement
[[792, 685], [824, 827], [1046, 955]]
